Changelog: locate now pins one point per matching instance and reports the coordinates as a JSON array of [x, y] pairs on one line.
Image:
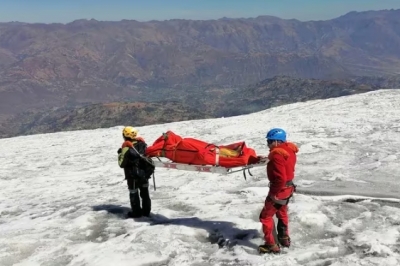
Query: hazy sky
[[142, 10]]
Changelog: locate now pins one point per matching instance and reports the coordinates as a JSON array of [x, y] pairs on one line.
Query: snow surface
[[63, 196]]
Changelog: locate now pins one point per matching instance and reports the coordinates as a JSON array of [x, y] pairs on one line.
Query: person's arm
[[122, 160], [279, 177]]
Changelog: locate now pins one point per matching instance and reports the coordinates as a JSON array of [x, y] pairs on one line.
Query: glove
[[119, 151]]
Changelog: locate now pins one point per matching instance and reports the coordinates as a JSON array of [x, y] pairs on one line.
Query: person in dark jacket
[[280, 171], [131, 159]]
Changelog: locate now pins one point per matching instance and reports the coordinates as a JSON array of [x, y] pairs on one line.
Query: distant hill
[[192, 104], [88, 61], [99, 116], [284, 90]]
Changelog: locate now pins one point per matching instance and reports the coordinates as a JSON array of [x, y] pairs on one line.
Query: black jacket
[[133, 161]]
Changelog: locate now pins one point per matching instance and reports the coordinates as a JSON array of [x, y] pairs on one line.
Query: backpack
[[145, 163]]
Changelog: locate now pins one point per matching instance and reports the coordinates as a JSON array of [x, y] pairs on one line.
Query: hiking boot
[[264, 249], [284, 241]]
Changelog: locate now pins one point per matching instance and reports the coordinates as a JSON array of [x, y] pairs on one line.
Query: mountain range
[[46, 67]]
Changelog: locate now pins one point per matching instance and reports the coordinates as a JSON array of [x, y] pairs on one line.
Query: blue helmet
[[276, 134]]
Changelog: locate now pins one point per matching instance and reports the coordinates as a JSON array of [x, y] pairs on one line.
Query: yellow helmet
[[129, 132]]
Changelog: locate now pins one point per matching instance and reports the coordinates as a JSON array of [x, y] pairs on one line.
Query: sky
[[64, 11], [64, 199]]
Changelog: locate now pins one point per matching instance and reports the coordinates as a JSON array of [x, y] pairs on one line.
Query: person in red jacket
[[280, 171]]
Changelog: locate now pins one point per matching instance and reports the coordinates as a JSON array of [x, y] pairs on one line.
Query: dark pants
[[139, 190]]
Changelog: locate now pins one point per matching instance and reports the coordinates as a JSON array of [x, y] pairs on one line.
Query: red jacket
[[281, 168]]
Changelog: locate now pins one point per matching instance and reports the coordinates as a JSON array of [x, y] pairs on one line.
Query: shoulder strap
[[144, 157]]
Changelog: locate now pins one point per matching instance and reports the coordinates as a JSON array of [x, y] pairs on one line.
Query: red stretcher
[[191, 154]]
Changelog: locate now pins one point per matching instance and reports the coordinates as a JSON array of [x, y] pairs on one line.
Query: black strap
[[289, 183], [286, 201]]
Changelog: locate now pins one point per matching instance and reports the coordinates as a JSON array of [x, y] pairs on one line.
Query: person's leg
[[134, 198], [283, 218], [266, 218], [146, 201], [283, 225]]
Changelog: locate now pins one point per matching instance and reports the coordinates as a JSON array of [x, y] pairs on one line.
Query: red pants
[[266, 218]]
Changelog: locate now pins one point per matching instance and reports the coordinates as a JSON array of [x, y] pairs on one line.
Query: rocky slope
[[206, 103], [89, 61], [99, 116]]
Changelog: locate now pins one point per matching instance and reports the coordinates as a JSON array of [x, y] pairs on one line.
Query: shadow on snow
[[223, 233]]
